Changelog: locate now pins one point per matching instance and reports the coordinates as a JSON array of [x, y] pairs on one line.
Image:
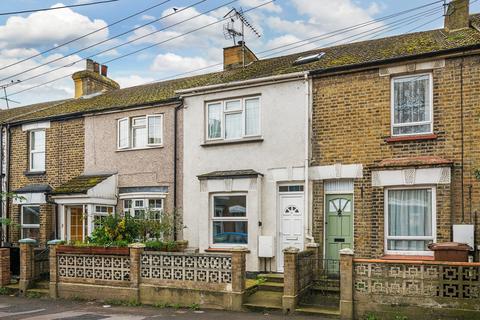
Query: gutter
[[80, 114], [243, 83], [372, 64]]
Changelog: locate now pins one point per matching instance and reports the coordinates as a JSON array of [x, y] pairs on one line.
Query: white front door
[[291, 213]]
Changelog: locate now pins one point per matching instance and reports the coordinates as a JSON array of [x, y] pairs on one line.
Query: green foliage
[[4, 291], [153, 224], [477, 174], [158, 245], [400, 317], [194, 306], [371, 316], [115, 231], [260, 280], [33, 295]]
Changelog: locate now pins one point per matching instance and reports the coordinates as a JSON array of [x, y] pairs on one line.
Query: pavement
[[45, 309]]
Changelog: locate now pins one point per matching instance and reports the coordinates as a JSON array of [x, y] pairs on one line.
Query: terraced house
[[395, 142], [370, 145]]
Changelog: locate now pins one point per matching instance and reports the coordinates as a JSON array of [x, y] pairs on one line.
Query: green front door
[[339, 224]]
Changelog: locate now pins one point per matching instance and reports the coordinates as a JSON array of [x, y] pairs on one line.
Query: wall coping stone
[[28, 241], [136, 245], [346, 251], [54, 242], [313, 245]]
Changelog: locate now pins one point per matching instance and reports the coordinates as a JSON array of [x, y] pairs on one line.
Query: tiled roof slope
[[370, 51], [80, 184], [10, 115]]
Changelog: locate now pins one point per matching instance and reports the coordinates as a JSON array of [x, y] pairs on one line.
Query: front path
[[45, 309]]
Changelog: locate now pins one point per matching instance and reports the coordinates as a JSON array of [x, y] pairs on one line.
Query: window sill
[[34, 173], [138, 149], [431, 136], [227, 142], [225, 250]]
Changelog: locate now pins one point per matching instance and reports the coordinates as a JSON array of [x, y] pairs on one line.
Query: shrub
[[115, 231]]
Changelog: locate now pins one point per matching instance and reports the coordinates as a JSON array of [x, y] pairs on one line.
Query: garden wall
[[416, 289], [135, 275]]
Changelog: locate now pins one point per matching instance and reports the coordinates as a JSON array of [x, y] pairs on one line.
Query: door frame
[[329, 193], [68, 219], [278, 241]]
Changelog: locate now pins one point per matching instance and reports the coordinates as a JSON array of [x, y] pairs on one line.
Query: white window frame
[[392, 106], [225, 112], [213, 219], [434, 223], [127, 133], [29, 226], [99, 214], [130, 132], [131, 211], [31, 151]]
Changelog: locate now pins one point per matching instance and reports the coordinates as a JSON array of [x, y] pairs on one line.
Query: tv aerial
[[4, 87], [229, 28]]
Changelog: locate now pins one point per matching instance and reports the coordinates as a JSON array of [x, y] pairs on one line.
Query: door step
[[327, 312], [264, 300], [271, 286], [271, 277], [42, 284]]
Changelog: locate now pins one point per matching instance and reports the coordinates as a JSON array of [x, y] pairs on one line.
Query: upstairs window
[[412, 105], [140, 132], [37, 150], [233, 119]]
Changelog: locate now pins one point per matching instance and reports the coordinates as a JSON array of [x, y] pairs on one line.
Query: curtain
[[409, 214], [214, 121], [411, 103], [233, 126], [252, 117]]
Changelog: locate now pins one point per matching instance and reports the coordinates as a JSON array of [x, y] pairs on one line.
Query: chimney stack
[[92, 80], [457, 16], [237, 56]]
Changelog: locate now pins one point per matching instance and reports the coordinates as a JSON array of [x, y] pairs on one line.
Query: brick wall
[[351, 120], [64, 161]]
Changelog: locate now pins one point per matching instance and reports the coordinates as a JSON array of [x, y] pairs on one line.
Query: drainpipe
[[8, 144], [175, 159], [308, 218], [2, 181]]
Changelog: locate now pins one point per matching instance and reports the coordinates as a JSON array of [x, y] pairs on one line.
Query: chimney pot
[[457, 16], [96, 67], [104, 69], [89, 66]]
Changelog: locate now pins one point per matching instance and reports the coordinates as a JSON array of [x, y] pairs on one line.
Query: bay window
[[140, 132], [30, 221], [229, 220], [138, 207], [412, 100], [233, 119], [37, 150], [410, 220]]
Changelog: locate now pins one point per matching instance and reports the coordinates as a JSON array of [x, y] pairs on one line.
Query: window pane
[[233, 126], [252, 117], [38, 161], [123, 139], [139, 122], [127, 204], [409, 245], [412, 129], [31, 215], [155, 130], [230, 206], [37, 142], [409, 214], [32, 233], [232, 232], [232, 105], [138, 203], [139, 137], [155, 203], [411, 99], [214, 121]]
